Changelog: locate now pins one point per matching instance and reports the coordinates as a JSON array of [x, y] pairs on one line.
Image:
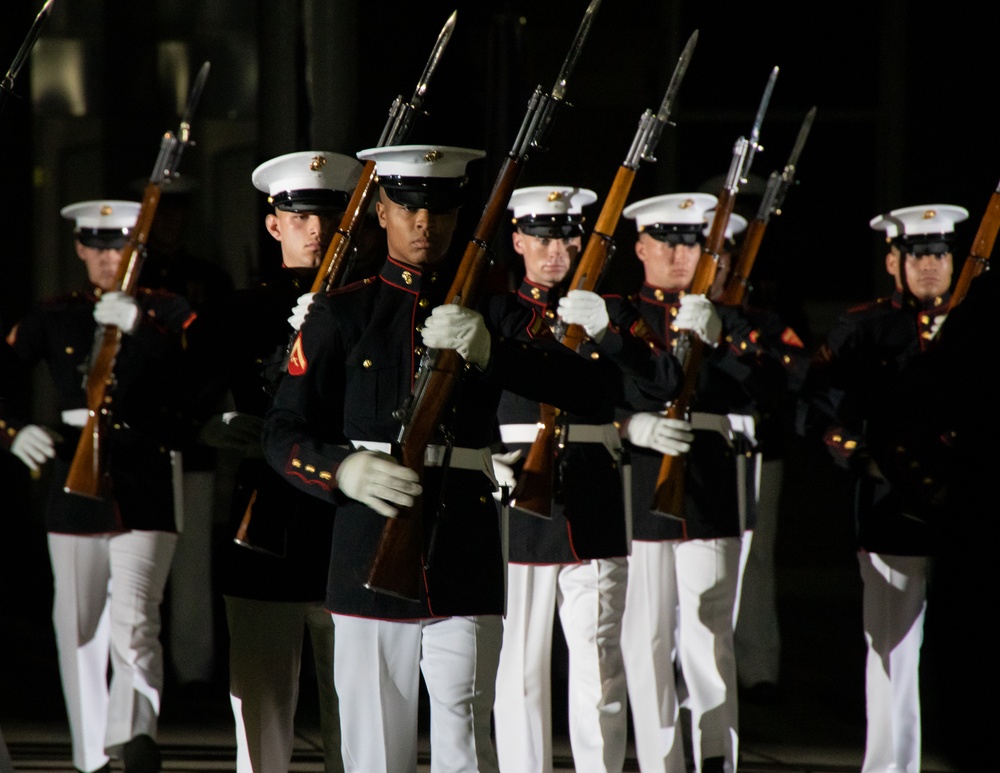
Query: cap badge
[[432, 155], [105, 210], [930, 214], [557, 196], [687, 204], [316, 163]]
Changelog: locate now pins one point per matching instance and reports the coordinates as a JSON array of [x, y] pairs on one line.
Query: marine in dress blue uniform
[[110, 558], [851, 378], [274, 581], [574, 561], [683, 573], [352, 365]]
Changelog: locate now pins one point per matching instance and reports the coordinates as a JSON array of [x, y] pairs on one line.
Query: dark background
[[907, 115]]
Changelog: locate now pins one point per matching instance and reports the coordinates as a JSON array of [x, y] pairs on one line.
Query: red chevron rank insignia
[[297, 359]]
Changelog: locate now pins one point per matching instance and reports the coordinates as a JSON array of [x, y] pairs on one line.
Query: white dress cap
[[547, 200], [289, 179], [672, 209], [928, 219], [736, 224], [103, 215], [441, 161], [887, 224]]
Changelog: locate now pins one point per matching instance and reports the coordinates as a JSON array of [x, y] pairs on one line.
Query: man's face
[[102, 264], [417, 237], [304, 236], [547, 260], [927, 276], [667, 266]]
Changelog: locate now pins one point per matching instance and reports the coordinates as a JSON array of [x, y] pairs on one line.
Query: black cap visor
[[102, 238], [550, 226], [435, 194], [311, 200], [673, 233]]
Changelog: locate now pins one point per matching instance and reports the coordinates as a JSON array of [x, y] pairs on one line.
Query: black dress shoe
[[141, 755]]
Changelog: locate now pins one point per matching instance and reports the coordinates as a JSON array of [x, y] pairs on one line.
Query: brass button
[[423, 303], [366, 364], [418, 350], [310, 468], [549, 313], [69, 350], [594, 355], [296, 462]]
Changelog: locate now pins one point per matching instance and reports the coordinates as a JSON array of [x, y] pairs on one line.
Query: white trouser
[[895, 599], [685, 590], [377, 667], [265, 658], [108, 591], [590, 598], [758, 639], [191, 630]]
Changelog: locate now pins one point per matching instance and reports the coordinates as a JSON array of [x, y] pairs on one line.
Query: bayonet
[[753, 144], [559, 89], [788, 173], [650, 125], [443, 37], [7, 86], [663, 116], [401, 113]]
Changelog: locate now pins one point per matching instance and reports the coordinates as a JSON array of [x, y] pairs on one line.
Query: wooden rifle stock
[[668, 498], [534, 489], [88, 471], [535, 486], [982, 248], [397, 567], [738, 283], [88, 474]]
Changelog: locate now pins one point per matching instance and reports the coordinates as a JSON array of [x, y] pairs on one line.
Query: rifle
[[395, 132], [88, 474], [334, 264], [777, 187], [533, 491], [668, 498], [397, 566], [7, 85], [982, 248]]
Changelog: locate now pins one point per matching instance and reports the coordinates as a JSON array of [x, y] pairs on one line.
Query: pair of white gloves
[[448, 327], [647, 430], [587, 309], [33, 444]]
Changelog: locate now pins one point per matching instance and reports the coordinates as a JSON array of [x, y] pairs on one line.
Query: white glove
[[376, 479], [455, 327], [668, 436], [34, 446], [118, 309], [504, 473], [587, 309], [300, 310], [698, 315]]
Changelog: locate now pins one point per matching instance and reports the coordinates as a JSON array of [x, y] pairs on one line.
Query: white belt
[[476, 459], [728, 426], [77, 417], [606, 434]]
